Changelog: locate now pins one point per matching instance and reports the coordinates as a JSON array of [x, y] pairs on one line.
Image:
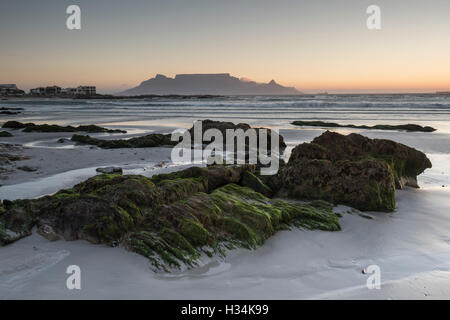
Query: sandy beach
[[411, 245]]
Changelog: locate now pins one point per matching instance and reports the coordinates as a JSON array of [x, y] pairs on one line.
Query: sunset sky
[[314, 45]]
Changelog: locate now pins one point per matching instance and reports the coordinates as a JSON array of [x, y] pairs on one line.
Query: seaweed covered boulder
[[249, 179], [171, 218], [406, 162], [232, 215], [365, 184], [352, 170], [215, 176]]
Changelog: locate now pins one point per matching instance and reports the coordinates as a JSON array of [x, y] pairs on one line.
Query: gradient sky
[[314, 45]]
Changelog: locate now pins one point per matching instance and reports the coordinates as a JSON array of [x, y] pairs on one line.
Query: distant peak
[[160, 76], [272, 82]]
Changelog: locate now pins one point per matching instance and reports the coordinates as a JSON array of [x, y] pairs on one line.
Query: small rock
[[110, 170], [5, 134], [27, 168], [47, 232], [160, 164], [62, 140]]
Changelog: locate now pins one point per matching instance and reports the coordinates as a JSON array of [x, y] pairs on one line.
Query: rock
[[48, 233], [223, 126], [406, 162], [110, 170], [62, 140], [16, 125], [9, 153], [230, 214], [170, 219], [406, 127], [216, 176], [251, 181], [5, 134], [148, 141], [27, 168], [352, 170], [367, 185], [31, 127], [9, 112]]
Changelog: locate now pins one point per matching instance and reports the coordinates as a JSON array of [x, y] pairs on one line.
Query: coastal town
[[12, 90]]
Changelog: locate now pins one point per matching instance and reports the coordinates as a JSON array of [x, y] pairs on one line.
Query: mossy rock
[[171, 221], [252, 181]]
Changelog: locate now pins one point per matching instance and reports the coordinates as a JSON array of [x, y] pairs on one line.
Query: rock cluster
[[352, 170], [171, 218], [31, 127]]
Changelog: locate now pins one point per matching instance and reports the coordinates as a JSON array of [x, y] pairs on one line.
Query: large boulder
[[223, 126], [406, 162], [352, 170], [171, 218]]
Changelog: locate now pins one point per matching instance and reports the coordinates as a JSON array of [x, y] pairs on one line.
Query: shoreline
[[320, 269]]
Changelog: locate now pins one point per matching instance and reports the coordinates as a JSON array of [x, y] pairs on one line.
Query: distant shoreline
[[209, 96]]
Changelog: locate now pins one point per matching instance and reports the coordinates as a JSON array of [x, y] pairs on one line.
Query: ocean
[[273, 111]]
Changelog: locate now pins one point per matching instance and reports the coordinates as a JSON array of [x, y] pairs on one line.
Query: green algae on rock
[[233, 215], [353, 170], [406, 162], [252, 181], [171, 219]]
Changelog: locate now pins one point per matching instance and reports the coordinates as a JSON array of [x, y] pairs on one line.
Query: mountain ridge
[[207, 83]]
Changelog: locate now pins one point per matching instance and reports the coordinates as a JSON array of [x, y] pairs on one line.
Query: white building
[[10, 90], [86, 90], [69, 91]]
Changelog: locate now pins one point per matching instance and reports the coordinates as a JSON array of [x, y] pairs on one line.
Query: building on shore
[[69, 91], [46, 91], [58, 91], [86, 90], [40, 91], [10, 90], [52, 91]]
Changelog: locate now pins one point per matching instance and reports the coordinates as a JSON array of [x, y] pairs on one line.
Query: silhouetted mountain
[[214, 84]]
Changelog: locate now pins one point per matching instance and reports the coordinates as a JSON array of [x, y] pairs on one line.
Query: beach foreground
[[411, 245]]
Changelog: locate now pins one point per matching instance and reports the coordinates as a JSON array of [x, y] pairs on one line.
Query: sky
[[313, 45]]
